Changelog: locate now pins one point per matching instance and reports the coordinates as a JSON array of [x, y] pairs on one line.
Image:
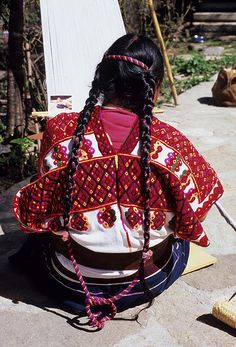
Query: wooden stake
[[163, 48]]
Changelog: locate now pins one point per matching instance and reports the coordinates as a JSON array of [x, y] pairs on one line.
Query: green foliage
[[21, 161], [23, 142], [33, 36], [2, 127], [172, 16], [192, 71], [2, 131], [198, 64], [4, 14], [34, 86]]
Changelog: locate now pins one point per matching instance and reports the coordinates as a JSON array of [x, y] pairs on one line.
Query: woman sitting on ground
[[120, 194]]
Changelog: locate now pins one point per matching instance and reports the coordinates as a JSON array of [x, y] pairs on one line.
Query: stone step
[[226, 38], [223, 6], [214, 17], [220, 28], [218, 37]]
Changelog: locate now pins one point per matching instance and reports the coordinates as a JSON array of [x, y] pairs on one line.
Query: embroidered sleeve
[[193, 183], [55, 140]]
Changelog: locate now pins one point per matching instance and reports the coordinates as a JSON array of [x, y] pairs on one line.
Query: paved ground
[[180, 316]]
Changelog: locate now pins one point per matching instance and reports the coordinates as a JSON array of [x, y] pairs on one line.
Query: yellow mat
[[157, 110], [198, 259]]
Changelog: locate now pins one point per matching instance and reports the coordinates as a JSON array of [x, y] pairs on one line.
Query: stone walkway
[[181, 316]]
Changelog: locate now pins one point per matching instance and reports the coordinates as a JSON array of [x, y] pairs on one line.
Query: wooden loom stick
[[225, 215], [163, 48]]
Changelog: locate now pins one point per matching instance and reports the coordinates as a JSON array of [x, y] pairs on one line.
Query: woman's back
[[120, 192], [107, 214]]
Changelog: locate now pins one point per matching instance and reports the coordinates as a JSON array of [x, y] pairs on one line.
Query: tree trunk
[[16, 119], [10, 103]]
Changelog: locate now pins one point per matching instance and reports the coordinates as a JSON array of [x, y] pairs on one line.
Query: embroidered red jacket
[[107, 214]]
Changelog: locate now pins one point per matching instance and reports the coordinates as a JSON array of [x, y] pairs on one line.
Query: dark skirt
[[152, 282], [36, 256]]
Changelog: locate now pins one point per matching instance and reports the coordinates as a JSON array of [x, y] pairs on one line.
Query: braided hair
[[134, 88], [77, 140], [131, 87]]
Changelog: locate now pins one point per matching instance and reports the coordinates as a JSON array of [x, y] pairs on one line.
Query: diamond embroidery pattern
[[94, 184], [99, 183], [204, 175], [130, 184]]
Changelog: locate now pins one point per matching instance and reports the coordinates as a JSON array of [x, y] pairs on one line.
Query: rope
[[98, 320]]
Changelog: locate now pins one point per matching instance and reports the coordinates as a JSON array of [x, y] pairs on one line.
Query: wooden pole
[[163, 48]]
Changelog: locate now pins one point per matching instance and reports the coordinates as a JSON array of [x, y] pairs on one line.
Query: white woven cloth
[[76, 34]]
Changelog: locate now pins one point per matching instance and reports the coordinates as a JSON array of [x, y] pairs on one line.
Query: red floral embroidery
[[86, 151], [173, 162], [134, 217], [155, 150], [79, 222], [157, 220], [59, 155], [106, 216]]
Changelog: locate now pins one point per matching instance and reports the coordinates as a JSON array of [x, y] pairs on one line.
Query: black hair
[[127, 83], [131, 87]]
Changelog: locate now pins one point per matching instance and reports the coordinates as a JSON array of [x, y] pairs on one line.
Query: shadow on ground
[[15, 284], [209, 319], [206, 101], [19, 287]]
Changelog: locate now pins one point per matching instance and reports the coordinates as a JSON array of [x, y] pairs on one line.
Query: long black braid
[[149, 85], [145, 139], [132, 88], [77, 140]]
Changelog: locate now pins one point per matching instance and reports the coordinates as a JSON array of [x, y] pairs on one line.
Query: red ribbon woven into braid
[[129, 59]]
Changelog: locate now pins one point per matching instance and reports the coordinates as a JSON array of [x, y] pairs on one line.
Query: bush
[[190, 72], [173, 18], [21, 161]]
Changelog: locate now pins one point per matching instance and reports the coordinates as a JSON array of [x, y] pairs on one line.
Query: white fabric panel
[[76, 34]]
